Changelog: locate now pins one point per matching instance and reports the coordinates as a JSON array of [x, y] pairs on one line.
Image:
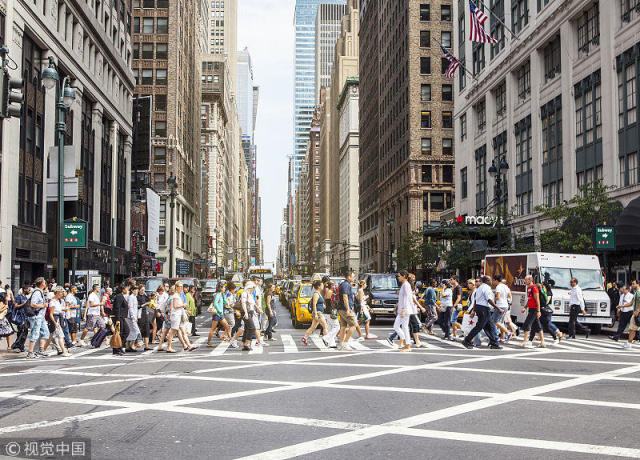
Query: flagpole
[[459, 63], [498, 19]]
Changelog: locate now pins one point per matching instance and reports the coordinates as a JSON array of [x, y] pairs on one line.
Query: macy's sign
[[490, 221]]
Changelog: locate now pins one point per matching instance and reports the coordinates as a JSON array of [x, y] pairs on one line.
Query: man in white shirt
[[483, 298], [577, 306], [502, 306], [625, 307], [93, 314]]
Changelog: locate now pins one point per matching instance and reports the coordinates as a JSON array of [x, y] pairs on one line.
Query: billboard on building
[[153, 221]]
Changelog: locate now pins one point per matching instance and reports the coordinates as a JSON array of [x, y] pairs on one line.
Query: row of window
[[425, 12], [425, 92], [151, 3], [425, 119], [426, 146], [425, 65], [146, 50], [425, 38], [145, 77], [150, 25], [430, 174]]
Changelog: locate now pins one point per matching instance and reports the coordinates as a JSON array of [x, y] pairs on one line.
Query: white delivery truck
[[559, 269]]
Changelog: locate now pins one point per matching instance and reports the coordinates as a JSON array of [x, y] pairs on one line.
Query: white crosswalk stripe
[[256, 350], [220, 349], [317, 341], [386, 344], [358, 345], [289, 343]]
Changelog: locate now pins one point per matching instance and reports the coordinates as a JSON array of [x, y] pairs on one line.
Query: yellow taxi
[[300, 313]]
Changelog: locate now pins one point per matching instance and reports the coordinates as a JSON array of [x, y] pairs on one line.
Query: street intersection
[[574, 400]]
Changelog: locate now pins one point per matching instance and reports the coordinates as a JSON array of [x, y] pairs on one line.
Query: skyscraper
[[328, 26], [304, 95]]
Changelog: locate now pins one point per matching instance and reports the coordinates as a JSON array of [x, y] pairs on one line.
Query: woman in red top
[[533, 316]]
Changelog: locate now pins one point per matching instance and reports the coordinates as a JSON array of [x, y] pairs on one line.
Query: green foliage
[[414, 250], [577, 218], [457, 255]]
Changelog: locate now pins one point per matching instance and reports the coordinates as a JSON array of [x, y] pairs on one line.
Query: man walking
[[577, 306], [93, 313], [534, 313], [345, 310], [634, 323], [430, 314], [483, 298], [39, 329], [625, 310]]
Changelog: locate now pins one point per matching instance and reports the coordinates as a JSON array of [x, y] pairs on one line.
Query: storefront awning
[[628, 227]]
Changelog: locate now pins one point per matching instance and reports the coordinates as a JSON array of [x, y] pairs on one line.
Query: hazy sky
[[266, 28]]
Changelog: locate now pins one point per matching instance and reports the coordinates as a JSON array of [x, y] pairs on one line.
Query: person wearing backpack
[[36, 308], [19, 319], [546, 313]]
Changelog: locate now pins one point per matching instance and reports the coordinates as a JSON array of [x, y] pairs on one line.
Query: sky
[[266, 28]]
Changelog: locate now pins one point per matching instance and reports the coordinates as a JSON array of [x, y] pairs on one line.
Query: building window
[[481, 116], [447, 92], [447, 174], [427, 176], [425, 146], [425, 92], [445, 39], [162, 51], [147, 51], [136, 25], [588, 110], [524, 184], [445, 13], [159, 155], [629, 172], [447, 120], [524, 80], [444, 65], [463, 126], [106, 166], [478, 57], [500, 95], [628, 72], [552, 194], [552, 65], [147, 25], [147, 76], [136, 50], [163, 3], [163, 26], [161, 128], [462, 75], [628, 9], [161, 103], [589, 28], [425, 12], [499, 153], [425, 65], [481, 179], [495, 26], [543, 3], [447, 146], [425, 39], [463, 183], [161, 76], [519, 15], [425, 119], [552, 170]]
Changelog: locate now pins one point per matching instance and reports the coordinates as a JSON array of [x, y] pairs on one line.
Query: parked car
[[209, 287]]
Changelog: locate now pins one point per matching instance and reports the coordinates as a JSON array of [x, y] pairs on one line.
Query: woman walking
[[56, 318], [270, 311], [176, 309], [405, 303], [330, 315], [317, 313], [6, 330], [446, 305], [219, 301]]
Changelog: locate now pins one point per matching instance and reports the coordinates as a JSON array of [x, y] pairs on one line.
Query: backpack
[[28, 309], [238, 304]]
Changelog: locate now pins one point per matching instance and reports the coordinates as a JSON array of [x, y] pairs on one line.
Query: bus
[[261, 271]]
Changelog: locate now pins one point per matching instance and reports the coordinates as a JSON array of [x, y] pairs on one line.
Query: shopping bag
[[116, 341], [468, 323]]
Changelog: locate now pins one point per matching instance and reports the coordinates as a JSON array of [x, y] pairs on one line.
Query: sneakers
[[32, 355], [360, 339], [246, 348], [509, 335], [389, 341], [467, 345], [526, 345], [41, 354], [234, 344], [304, 341], [371, 337], [345, 347], [625, 346]]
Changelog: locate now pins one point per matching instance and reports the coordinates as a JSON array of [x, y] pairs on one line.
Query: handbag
[[211, 309], [116, 341], [185, 316]]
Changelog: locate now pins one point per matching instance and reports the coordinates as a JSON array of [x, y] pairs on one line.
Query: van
[[382, 290]]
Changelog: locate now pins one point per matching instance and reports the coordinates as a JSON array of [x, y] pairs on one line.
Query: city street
[[573, 401]]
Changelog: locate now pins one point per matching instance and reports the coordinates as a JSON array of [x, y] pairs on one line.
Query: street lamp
[[390, 221], [496, 169], [66, 96], [173, 185]]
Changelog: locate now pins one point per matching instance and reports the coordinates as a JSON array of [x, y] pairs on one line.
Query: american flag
[[451, 70], [476, 31]]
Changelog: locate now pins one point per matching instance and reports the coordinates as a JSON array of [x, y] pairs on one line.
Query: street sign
[[605, 238], [75, 234]]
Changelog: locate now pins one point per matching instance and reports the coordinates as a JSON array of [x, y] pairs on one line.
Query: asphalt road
[[576, 400]]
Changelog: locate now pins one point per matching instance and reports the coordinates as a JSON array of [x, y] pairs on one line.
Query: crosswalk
[[290, 343]]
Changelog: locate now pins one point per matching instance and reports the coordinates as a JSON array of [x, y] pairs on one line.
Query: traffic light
[[11, 93]]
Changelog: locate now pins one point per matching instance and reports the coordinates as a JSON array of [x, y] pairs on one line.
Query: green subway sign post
[[75, 234], [605, 238]]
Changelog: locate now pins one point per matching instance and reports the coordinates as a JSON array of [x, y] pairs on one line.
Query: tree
[[457, 256], [577, 218], [415, 250]]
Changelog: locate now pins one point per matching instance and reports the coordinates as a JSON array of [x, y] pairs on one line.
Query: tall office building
[[328, 26], [223, 27], [305, 71]]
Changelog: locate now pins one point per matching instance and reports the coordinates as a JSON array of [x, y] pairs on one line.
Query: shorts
[[366, 314], [73, 325], [249, 324], [414, 324], [216, 318], [175, 320], [497, 317], [633, 326], [454, 315], [94, 322], [39, 328], [231, 318], [347, 319], [319, 315], [532, 317]]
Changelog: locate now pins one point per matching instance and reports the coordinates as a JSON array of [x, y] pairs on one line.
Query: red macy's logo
[[459, 219]]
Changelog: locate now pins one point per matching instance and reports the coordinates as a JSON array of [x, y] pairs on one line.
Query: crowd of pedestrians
[[47, 316]]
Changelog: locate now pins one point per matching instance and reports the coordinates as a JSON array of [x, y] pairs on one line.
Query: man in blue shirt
[[348, 321], [430, 314], [39, 329]]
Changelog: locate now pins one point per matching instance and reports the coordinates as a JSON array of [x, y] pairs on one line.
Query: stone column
[[128, 144], [96, 122]]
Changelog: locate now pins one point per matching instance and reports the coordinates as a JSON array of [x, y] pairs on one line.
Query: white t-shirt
[[502, 302], [624, 299], [176, 303], [445, 298], [58, 306], [93, 299]]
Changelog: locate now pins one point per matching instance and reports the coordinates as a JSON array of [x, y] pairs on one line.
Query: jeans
[[484, 324], [64, 323], [625, 318], [573, 321], [39, 329], [192, 320], [271, 322], [445, 322]]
